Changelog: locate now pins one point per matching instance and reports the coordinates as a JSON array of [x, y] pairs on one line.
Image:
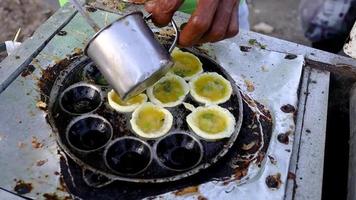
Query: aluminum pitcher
[[128, 55]]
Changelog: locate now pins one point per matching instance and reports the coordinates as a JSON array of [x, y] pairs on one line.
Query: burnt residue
[[50, 74], [202, 198], [283, 138], [245, 48], [41, 162], [62, 33], [274, 181], [290, 57], [253, 140], [272, 160], [36, 144], [22, 187], [62, 185], [51, 196], [91, 9], [29, 70], [240, 171], [54, 196], [291, 176], [187, 190], [288, 108], [251, 144], [260, 157]]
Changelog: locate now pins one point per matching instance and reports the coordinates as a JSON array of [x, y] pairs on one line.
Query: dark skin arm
[[212, 21]]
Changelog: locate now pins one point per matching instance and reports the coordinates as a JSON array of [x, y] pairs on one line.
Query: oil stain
[[22, 187]]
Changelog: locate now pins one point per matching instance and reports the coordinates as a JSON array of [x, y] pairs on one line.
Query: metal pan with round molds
[[126, 155]]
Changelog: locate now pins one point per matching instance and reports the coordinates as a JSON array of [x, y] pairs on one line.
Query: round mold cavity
[[179, 151], [93, 75], [128, 155], [89, 133], [80, 98]]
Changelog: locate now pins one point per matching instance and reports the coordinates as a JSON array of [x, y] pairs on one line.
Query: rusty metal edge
[[291, 183], [334, 63], [311, 131]]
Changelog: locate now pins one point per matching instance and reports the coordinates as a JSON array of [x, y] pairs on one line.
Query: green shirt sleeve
[[188, 6]]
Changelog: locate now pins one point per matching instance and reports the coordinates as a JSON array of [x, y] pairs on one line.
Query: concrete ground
[[24, 14], [282, 15]]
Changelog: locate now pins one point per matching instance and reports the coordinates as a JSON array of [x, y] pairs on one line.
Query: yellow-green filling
[[211, 121], [150, 119], [169, 90], [133, 100], [185, 64], [210, 87]]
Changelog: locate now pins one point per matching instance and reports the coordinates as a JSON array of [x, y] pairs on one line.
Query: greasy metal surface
[[273, 79], [212, 151]]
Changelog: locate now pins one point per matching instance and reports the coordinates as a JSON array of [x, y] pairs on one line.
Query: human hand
[[212, 21]]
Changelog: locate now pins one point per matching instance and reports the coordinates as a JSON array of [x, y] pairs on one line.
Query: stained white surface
[[275, 81]]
